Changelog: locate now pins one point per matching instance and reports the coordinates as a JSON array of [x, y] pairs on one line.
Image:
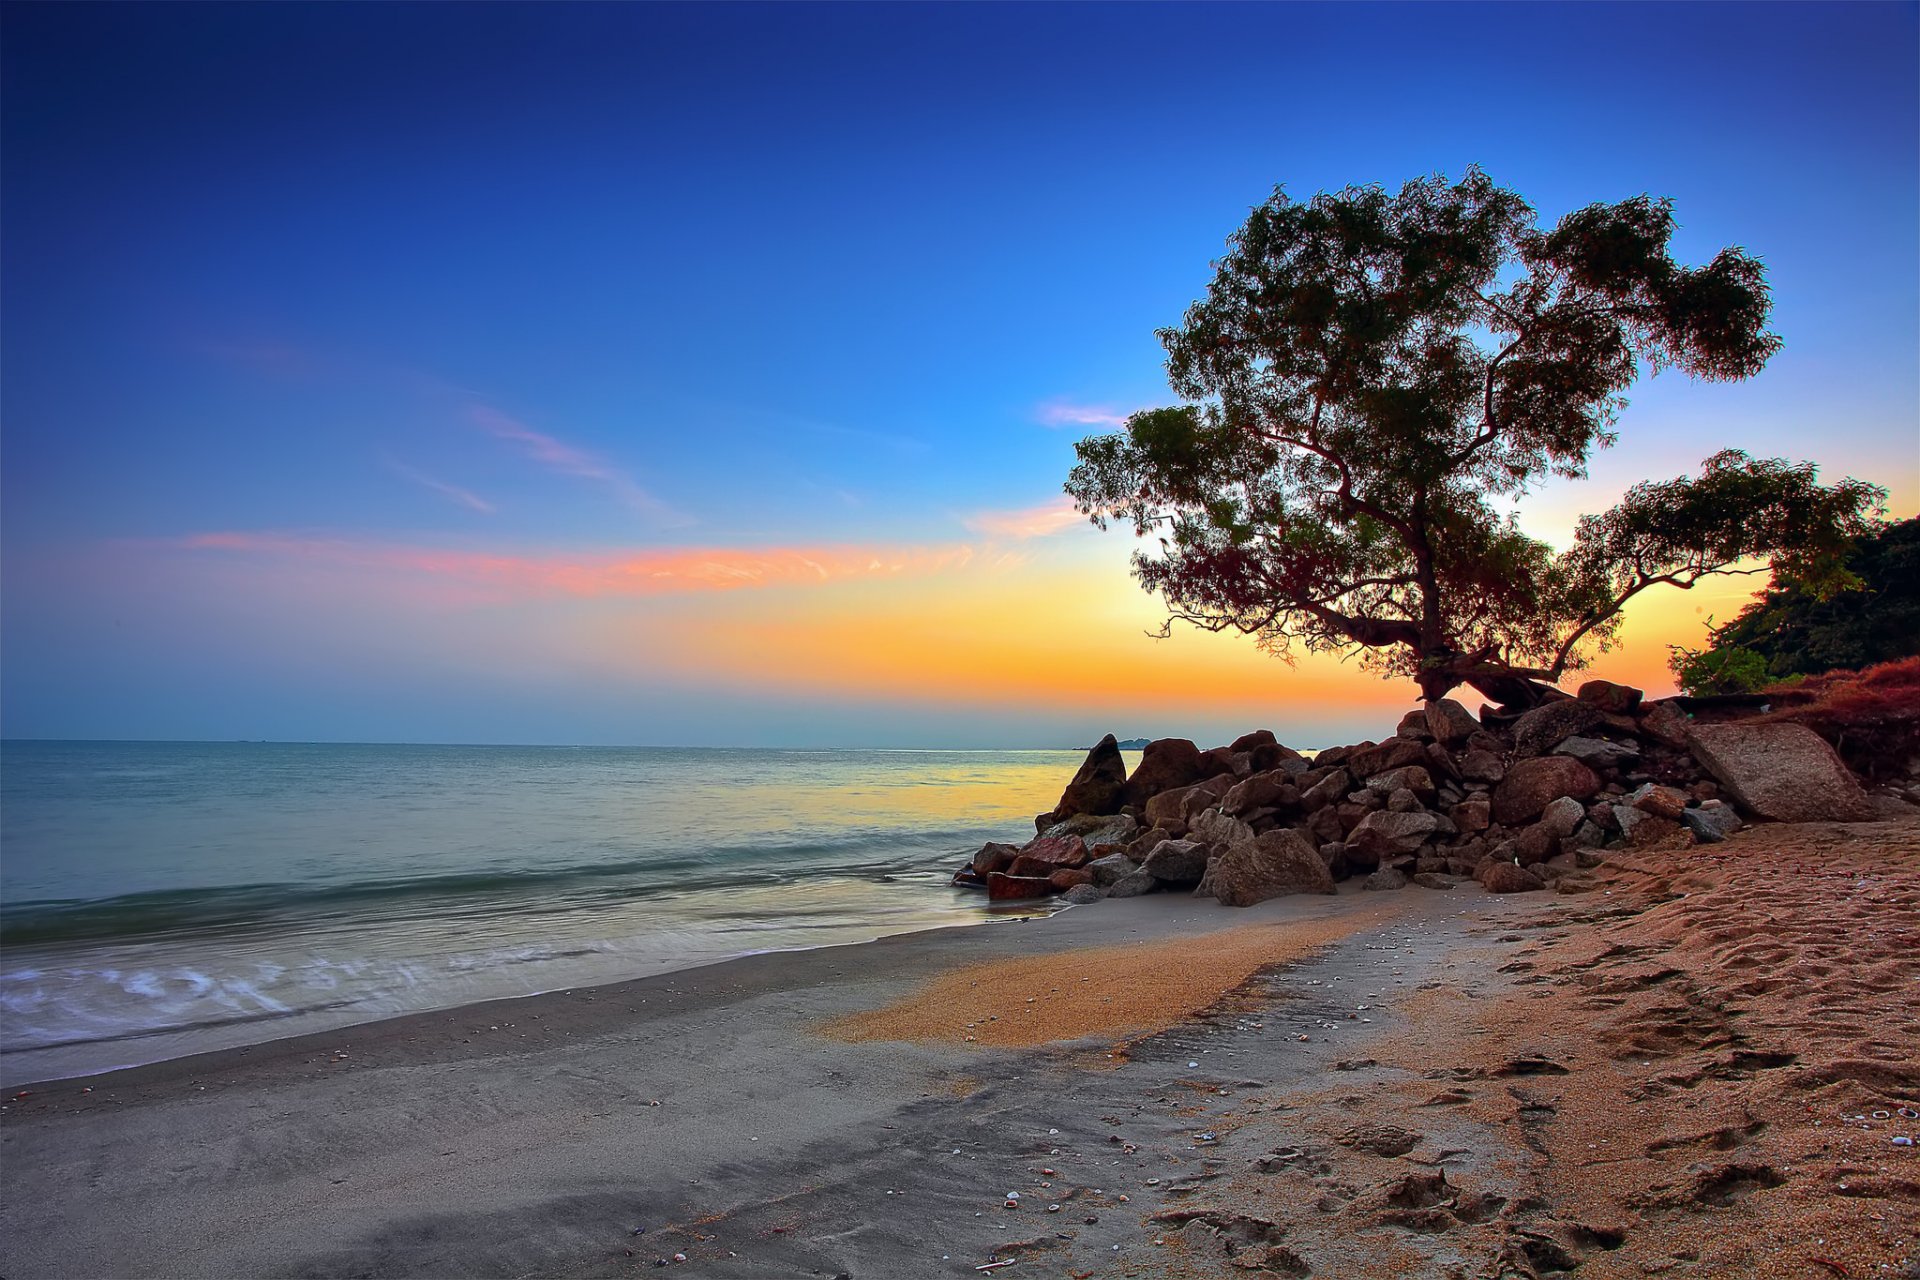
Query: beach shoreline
[[1532, 1079]]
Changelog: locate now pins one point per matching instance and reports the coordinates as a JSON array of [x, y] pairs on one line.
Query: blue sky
[[352, 284]]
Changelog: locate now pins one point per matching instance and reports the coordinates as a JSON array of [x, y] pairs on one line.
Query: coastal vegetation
[[1372, 382]]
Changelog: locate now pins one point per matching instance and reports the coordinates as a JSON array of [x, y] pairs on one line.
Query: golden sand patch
[[1126, 990]]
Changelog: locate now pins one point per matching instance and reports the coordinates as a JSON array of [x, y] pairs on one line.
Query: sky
[[707, 374]]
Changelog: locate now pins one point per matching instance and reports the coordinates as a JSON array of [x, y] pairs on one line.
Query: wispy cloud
[[1053, 516], [564, 459], [453, 492], [1066, 413], [665, 571]]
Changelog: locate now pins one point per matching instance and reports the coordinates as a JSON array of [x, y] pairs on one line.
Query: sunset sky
[[707, 374]]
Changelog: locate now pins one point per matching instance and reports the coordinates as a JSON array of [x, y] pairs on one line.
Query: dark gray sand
[[702, 1113]]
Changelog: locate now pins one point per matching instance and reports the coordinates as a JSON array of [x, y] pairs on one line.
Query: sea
[[159, 899]]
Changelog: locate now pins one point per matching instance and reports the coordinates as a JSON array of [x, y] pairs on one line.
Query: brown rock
[[1329, 790], [1002, 887], [1664, 722], [1067, 877], [1176, 861], [1449, 722], [1505, 877], [1391, 754], [993, 857], [1056, 851], [1250, 741], [1413, 777], [1413, 725], [1534, 844], [1099, 786], [1620, 699], [1166, 764], [1339, 755], [1385, 834], [1661, 802], [1482, 766], [1262, 789], [1781, 772], [1272, 865], [1531, 785], [1544, 728], [1472, 815], [1325, 825]]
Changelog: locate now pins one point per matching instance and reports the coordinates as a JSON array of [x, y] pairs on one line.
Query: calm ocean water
[[158, 899]]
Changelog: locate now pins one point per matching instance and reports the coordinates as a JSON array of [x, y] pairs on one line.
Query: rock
[[1544, 728], [1619, 699], [1413, 725], [1402, 800], [1712, 822], [1534, 844], [1384, 878], [1338, 755], [1224, 760], [1070, 878], [1273, 788], [1327, 791], [1100, 785], [1563, 816], [1023, 866], [967, 878], [1661, 802], [1505, 877], [1176, 861], [1115, 866], [1166, 764], [1533, 784], [1641, 829], [1440, 763], [1472, 815], [1095, 830], [1480, 765], [1058, 851], [1251, 741], [1434, 880], [1410, 777], [1002, 887], [1325, 825], [1082, 894], [1781, 772], [1272, 865], [1664, 722], [1589, 835], [1449, 722], [1598, 753], [1391, 754], [993, 857], [1385, 834], [1133, 886]]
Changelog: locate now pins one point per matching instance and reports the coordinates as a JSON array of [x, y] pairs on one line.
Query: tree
[[1791, 631], [1372, 379]]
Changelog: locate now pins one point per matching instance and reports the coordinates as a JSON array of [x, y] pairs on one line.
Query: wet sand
[[1629, 1080]]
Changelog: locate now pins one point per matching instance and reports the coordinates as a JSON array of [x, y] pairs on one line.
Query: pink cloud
[[667, 571], [564, 459], [1063, 413], [1054, 516], [465, 497]]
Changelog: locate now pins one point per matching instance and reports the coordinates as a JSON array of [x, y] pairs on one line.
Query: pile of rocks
[[1515, 802]]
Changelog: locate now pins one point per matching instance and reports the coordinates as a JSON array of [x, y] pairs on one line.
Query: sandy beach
[[1697, 1068]]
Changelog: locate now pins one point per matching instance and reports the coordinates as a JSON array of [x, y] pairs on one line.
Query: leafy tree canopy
[[1794, 631], [1372, 378]]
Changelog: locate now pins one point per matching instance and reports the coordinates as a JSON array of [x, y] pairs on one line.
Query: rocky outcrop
[[1098, 788], [1268, 866], [1166, 764], [1781, 772]]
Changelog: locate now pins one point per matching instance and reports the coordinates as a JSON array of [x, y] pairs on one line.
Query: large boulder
[[1781, 772], [1168, 762], [1276, 863], [1100, 785], [1175, 862], [1385, 834], [1218, 831], [1329, 790], [1544, 728], [1391, 754], [1449, 722], [1619, 699], [1056, 851], [1531, 785], [1665, 722], [1505, 877]]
